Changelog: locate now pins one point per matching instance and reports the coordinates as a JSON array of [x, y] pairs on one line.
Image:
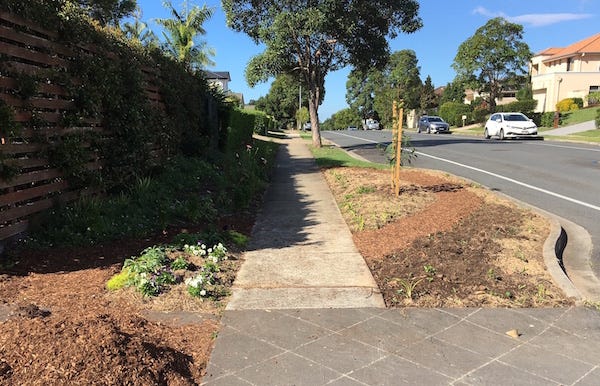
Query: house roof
[[589, 45], [549, 51], [217, 75]]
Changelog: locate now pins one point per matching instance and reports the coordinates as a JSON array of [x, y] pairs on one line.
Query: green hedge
[[525, 106], [241, 127], [452, 112]]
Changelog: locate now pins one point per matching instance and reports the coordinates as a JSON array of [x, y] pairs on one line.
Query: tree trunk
[[314, 120], [313, 108]]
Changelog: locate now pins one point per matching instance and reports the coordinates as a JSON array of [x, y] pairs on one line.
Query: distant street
[[559, 177]]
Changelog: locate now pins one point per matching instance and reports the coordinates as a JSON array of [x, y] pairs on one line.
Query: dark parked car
[[432, 124]]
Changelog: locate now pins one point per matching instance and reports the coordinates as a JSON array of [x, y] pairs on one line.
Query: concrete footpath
[[305, 310], [572, 129]]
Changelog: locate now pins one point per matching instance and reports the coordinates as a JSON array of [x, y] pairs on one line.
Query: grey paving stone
[[548, 315], [345, 381], [334, 319], [340, 353], [274, 327], [382, 334], [590, 379], [445, 358], [500, 374], [581, 321], [236, 350], [288, 369], [549, 365], [429, 321], [559, 341], [228, 380], [393, 370], [502, 320], [477, 339]]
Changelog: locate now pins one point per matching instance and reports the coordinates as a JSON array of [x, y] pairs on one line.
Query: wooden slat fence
[[31, 51]]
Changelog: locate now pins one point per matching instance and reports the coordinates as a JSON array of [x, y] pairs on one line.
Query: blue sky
[[446, 24]]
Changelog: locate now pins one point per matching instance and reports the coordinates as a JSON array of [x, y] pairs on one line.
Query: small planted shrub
[[120, 280], [547, 119], [593, 98], [566, 105]]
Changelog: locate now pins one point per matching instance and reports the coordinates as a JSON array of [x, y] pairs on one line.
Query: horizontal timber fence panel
[[36, 94]]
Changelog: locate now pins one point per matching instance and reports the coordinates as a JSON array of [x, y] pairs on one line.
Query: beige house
[[506, 96], [570, 72]]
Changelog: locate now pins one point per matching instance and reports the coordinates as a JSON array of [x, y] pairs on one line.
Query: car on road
[[509, 125], [371, 124], [432, 124], [307, 126], [352, 128]]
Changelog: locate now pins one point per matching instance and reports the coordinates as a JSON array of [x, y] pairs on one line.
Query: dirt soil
[[441, 243], [444, 242]]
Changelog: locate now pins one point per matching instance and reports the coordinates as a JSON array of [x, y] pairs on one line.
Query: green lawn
[[585, 136], [578, 116], [331, 156]]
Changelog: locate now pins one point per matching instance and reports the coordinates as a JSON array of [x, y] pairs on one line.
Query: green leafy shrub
[[452, 112], [547, 119], [479, 115], [578, 102], [597, 119], [593, 98], [179, 263], [522, 106], [566, 105], [237, 238]]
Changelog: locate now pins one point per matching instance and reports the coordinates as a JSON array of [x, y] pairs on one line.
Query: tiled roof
[[217, 75], [589, 45], [549, 51]]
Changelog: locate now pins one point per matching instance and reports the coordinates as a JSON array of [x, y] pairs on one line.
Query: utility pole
[[299, 106]]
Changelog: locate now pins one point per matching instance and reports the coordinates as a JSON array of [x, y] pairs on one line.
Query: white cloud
[[544, 19], [534, 19], [485, 12]]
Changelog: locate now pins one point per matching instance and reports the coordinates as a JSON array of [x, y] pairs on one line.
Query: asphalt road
[[559, 177]]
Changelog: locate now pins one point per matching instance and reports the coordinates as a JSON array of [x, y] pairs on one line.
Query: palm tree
[[181, 33], [139, 31]]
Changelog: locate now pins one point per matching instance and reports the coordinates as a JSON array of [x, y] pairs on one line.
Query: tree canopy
[[316, 37], [342, 119], [400, 81], [107, 11], [428, 98], [492, 58], [453, 92], [282, 100], [361, 89]]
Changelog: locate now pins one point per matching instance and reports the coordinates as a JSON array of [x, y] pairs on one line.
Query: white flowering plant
[[205, 283], [159, 267]]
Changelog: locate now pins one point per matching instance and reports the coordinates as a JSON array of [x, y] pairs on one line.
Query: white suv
[[509, 125]]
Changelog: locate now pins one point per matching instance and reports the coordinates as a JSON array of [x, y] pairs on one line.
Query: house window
[[569, 62], [594, 89]]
